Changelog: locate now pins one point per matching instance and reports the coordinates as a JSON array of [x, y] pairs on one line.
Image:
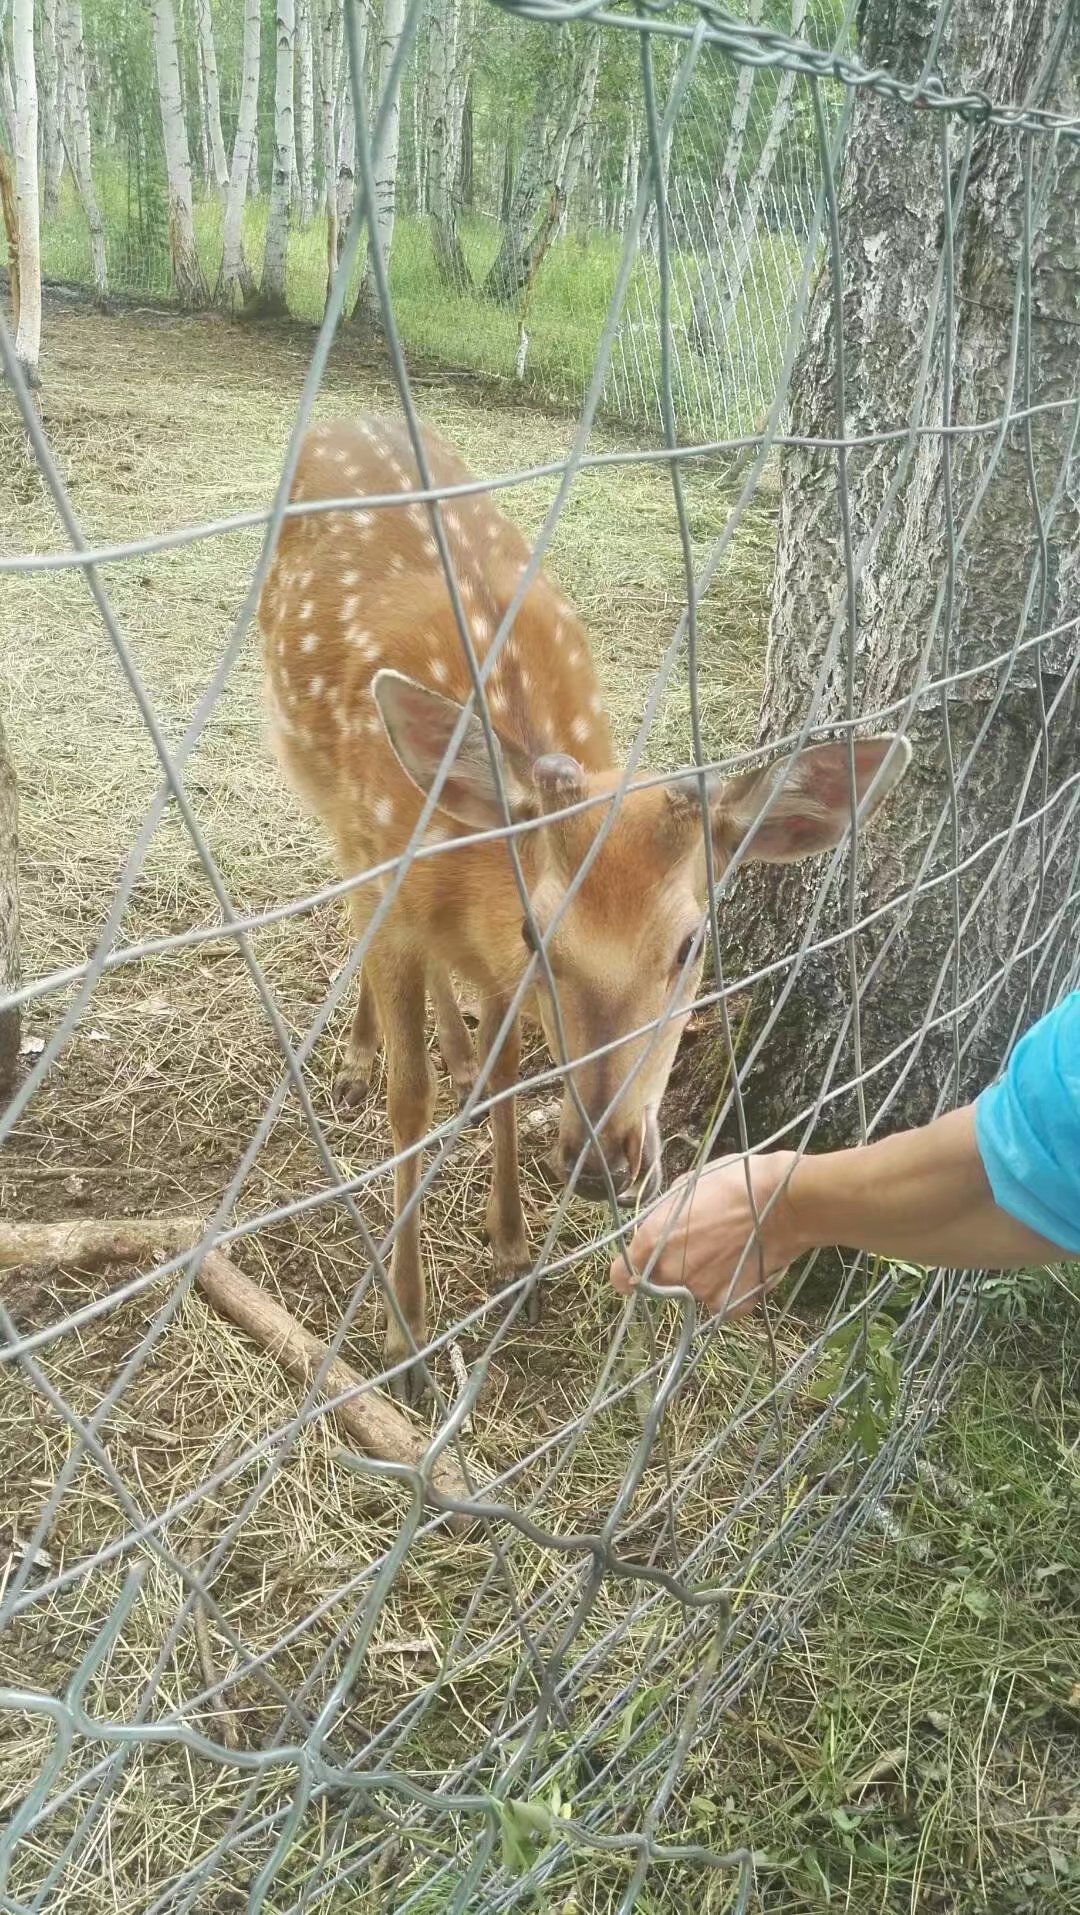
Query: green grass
[[917, 1746], [719, 394]]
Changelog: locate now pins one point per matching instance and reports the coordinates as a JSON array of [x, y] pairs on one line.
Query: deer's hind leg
[[455, 1041]]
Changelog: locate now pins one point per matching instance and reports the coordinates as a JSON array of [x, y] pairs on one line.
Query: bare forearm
[[922, 1195]]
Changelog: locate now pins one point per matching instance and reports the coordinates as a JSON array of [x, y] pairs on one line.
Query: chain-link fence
[[269, 1638], [742, 196]]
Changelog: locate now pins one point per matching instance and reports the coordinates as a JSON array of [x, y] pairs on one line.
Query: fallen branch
[[375, 1425]]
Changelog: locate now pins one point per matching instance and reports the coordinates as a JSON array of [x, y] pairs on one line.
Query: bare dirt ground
[[158, 422]]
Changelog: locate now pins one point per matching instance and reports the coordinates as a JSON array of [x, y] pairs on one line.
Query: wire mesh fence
[[476, 1655]]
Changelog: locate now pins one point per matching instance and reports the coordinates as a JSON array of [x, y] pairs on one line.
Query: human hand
[[699, 1237]]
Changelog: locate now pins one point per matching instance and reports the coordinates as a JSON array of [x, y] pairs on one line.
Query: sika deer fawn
[[366, 677]]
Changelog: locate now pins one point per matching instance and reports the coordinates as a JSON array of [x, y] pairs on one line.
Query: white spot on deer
[[428, 546], [350, 606], [596, 703], [574, 655], [396, 562], [316, 686], [481, 627], [359, 637], [440, 671], [581, 731], [435, 834], [309, 641], [383, 810], [304, 580], [350, 578], [362, 520]]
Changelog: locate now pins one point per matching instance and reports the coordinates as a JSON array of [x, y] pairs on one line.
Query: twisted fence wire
[[620, 1632]]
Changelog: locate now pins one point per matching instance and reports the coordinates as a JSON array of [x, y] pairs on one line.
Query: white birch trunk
[[718, 299], [441, 146], [346, 120], [28, 336], [306, 142], [384, 156], [219, 167], [327, 66], [52, 94], [73, 65], [7, 96], [236, 283], [272, 289], [187, 272]]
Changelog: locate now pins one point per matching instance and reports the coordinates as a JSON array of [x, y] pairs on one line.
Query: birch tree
[[306, 141], [442, 163], [237, 285], [10, 970], [51, 106], [555, 130], [329, 27], [219, 167], [73, 67], [28, 334], [384, 155], [722, 285], [272, 288], [967, 556], [187, 272], [345, 188]]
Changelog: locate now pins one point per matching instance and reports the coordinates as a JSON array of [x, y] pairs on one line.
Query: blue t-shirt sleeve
[[1027, 1127]]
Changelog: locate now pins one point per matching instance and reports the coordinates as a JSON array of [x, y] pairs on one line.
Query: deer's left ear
[[798, 807], [795, 807]]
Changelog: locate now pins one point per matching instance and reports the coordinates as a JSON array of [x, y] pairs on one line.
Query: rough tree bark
[[306, 142], [10, 971], [219, 166], [7, 94], [73, 63], [384, 158], [28, 336], [723, 277], [236, 284], [52, 97], [443, 27], [187, 272], [345, 189], [577, 134], [538, 193], [917, 618], [272, 286]]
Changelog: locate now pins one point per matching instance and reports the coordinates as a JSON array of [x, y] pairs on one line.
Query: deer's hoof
[[352, 1088], [409, 1387]]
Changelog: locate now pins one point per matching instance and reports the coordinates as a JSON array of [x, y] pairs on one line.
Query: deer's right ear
[[420, 725]]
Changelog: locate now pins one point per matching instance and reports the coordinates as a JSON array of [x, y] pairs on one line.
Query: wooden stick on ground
[[367, 1416]]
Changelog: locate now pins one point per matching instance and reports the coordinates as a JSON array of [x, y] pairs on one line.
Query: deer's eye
[[684, 952]]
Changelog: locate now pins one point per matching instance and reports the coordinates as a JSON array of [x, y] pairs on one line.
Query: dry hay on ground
[[159, 422]]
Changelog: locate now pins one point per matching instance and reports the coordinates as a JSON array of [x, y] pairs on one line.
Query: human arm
[[967, 1190]]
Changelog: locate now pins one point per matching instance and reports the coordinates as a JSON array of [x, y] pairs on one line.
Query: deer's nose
[[592, 1183]]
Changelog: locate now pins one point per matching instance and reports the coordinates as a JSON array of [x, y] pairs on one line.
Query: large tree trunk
[[538, 193], [10, 970], [7, 95], [272, 287], [236, 283], [724, 274], [970, 880], [52, 98], [384, 158], [577, 135], [73, 51], [443, 26], [187, 272], [28, 336], [219, 166], [306, 142]]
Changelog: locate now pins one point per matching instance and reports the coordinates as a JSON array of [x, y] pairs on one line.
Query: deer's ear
[[420, 725], [810, 807]]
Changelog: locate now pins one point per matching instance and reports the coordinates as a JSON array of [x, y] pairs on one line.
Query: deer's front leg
[[400, 991], [505, 1220], [353, 1080]]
